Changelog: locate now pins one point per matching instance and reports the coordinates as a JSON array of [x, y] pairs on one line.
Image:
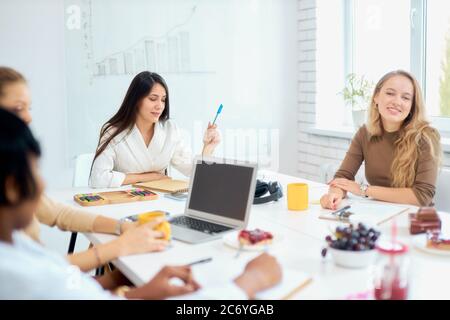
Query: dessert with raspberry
[[255, 237], [436, 240]]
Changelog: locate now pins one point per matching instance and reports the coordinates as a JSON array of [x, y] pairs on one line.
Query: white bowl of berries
[[352, 246]]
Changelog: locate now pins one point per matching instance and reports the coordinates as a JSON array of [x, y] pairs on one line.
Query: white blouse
[[127, 153], [30, 271]]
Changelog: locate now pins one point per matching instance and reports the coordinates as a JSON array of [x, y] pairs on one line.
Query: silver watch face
[[363, 188]]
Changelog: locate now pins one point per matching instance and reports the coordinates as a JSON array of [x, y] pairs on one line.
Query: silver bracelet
[[118, 230]]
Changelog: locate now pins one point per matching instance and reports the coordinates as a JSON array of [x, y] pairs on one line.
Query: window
[[437, 80], [330, 53], [373, 39], [380, 36]]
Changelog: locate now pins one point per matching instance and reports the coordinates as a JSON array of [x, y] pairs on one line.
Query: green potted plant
[[357, 94]]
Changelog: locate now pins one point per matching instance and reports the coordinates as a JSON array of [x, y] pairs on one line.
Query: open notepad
[[215, 274], [368, 212], [165, 185], [292, 282]]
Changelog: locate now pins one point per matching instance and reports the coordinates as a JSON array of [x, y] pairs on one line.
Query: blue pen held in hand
[[217, 114]]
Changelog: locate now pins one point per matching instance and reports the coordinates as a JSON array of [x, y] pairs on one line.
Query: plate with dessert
[[433, 242], [252, 240]]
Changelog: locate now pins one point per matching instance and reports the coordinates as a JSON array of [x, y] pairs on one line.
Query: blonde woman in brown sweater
[[15, 97], [400, 149]]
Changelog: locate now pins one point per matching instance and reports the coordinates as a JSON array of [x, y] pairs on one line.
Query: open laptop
[[220, 197]]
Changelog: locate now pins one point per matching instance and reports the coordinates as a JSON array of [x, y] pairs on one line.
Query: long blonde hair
[[415, 131]]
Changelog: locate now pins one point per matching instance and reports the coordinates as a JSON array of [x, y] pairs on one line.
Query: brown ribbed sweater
[[378, 156]]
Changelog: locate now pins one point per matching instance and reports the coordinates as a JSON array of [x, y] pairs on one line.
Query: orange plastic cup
[[164, 226]]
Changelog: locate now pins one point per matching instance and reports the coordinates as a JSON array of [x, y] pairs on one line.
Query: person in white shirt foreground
[[29, 271]]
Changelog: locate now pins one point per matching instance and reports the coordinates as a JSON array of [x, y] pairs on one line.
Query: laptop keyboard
[[199, 225]]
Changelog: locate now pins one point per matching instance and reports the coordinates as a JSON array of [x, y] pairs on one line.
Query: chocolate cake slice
[[426, 219]]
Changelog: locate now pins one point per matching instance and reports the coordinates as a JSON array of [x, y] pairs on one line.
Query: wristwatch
[[120, 291], [118, 230], [363, 187]]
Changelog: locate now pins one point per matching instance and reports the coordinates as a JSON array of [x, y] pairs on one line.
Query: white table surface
[[299, 248]]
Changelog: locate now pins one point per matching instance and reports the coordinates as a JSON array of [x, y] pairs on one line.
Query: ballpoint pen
[[217, 114], [199, 261], [339, 212]]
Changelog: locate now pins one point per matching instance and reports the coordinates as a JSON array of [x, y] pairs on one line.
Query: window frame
[[418, 50]]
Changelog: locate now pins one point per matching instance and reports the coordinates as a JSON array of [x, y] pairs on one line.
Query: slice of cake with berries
[[255, 237], [436, 240]]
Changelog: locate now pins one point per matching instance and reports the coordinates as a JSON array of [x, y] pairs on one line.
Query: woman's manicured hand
[[212, 137], [330, 200], [346, 185], [259, 274], [127, 226], [142, 239], [160, 287]]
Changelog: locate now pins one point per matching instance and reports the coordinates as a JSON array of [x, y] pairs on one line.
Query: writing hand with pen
[[338, 190], [333, 198], [261, 273]]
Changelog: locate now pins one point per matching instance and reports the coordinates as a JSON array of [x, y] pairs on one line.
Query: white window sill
[[335, 132], [349, 132]]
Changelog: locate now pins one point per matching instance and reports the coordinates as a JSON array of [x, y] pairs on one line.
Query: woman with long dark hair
[[140, 141]]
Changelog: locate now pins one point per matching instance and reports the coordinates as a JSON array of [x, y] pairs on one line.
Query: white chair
[[82, 170], [442, 197], [81, 173]]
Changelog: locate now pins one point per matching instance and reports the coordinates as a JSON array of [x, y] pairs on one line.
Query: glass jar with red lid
[[391, 276]]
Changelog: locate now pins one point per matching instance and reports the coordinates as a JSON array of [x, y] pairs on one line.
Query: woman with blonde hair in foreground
[[400, 149]]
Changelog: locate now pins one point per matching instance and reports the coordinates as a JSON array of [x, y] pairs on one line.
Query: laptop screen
[[221, 189]]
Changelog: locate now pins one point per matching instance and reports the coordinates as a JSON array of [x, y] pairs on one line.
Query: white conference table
[[302, 238]]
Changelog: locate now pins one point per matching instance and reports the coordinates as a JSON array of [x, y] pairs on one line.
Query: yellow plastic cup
[[164, 226], [149, 216], [297, 196]]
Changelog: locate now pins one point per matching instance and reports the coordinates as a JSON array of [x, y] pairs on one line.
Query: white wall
[[251, 73], [31, 37], [32, 41]]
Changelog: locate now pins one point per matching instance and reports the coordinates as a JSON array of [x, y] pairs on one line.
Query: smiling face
[[395, 100], [152, 106], [15, 97]]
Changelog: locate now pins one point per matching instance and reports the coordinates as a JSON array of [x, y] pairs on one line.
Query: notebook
[[293, 280], [165, 185], [374, 213]]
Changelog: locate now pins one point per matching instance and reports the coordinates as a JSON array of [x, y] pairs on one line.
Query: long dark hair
[[125, 118], [16, 145]]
